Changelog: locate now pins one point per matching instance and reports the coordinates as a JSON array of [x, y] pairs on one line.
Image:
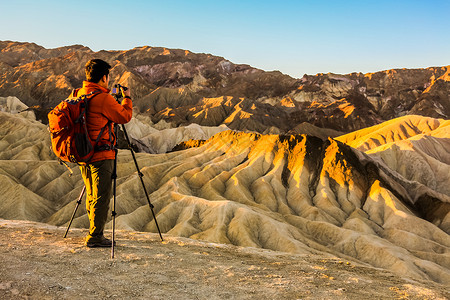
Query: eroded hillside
[[297, 194]]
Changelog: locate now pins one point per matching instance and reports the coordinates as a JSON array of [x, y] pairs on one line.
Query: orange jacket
[[103, 108]]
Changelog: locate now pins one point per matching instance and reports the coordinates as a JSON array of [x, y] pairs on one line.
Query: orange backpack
[[68, 129]]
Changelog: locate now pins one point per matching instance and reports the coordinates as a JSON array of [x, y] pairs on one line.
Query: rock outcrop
[[144, 135], [12, 105]]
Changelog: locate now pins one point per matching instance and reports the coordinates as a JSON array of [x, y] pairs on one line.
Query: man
[[103, 111]]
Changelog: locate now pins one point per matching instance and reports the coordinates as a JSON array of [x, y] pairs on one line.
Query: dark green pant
[[97, 178]]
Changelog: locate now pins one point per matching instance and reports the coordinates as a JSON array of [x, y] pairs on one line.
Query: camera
[[117, 90]]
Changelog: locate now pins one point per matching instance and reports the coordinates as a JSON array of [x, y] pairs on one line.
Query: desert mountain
[[181, 88], [291, 193]]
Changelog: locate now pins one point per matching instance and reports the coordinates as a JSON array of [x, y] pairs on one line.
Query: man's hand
[[125, 93]]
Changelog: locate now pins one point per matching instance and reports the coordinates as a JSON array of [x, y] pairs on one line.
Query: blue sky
[[294, 37]]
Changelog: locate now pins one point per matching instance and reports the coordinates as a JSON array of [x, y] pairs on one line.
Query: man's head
[[97, 71]]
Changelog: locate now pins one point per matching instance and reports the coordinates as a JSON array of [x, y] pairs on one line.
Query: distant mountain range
[[181, 87]]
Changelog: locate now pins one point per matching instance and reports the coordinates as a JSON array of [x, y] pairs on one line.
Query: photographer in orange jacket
[[104, 110]]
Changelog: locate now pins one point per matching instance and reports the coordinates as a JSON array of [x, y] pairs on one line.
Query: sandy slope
[[396, 130], [37, 263], [416, 147]]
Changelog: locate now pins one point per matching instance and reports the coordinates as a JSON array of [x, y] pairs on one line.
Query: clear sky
[[294, 37]]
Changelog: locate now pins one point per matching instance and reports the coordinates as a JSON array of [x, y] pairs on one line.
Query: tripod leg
[[113, 212], [142, 181], [75, 210]]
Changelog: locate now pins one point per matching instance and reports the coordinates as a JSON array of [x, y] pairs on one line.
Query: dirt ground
[[36, 262]]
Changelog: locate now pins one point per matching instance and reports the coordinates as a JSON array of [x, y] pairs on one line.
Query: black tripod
[[114, 178]]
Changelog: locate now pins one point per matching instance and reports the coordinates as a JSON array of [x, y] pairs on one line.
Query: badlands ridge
[[378, 205]]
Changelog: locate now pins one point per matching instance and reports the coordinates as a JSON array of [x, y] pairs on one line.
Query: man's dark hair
[[96, 69]]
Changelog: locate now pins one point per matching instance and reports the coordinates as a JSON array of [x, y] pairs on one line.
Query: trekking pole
[[113, 212], [75, 210], [142, 181]]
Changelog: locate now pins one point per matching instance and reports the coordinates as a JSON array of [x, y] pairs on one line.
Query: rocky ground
[[37, 263]]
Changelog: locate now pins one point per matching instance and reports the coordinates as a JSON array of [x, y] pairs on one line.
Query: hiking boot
[[102, 242]]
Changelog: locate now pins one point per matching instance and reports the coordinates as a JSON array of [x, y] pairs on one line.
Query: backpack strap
[[105, 147]]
